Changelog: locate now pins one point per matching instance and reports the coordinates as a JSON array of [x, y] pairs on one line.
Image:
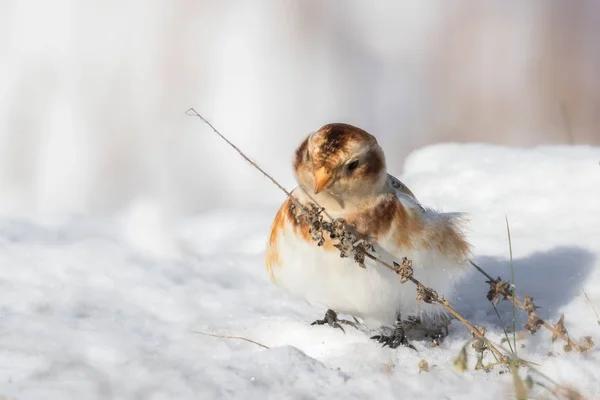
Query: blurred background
[[93, 93]]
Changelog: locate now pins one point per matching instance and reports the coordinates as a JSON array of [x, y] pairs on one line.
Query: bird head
[[340, 160]]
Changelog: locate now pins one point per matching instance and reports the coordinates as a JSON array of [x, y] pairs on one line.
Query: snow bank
[[87, 312]]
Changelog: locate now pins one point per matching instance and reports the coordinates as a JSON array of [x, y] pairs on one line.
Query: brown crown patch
[[336, 136]]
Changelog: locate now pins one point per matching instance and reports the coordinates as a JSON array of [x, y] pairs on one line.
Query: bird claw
[[397, 338], [332, 320], [393, 342]]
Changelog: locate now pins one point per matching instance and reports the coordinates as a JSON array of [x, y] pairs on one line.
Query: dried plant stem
[[478, 268], [513, 298], [577, 347], [592, 305], [504, 329], [429, 295], [475, 331], [444, 303], [231, 337], [512, 274], [193, 113], [520, 361]]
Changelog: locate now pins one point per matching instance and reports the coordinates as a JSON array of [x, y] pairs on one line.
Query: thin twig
[[512, 297], [503, 328], [478, 268], [193, 113], [448, 308], [592, 305], [475, 332], [512, 273], [551, 328], [433, 296], [232, 337], [520, 361]]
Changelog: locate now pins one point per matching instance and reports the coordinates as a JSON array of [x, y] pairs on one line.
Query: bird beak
[[323, 179]]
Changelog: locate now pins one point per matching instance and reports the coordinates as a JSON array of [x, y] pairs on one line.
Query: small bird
[[342, 168]]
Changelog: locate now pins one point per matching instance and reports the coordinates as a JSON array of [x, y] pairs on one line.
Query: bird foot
[[397, 338], [332, 320]]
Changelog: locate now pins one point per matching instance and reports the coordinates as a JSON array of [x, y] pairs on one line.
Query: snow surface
[[97, 309]]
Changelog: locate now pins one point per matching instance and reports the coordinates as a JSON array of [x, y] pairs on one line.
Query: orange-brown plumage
[[342, 168]]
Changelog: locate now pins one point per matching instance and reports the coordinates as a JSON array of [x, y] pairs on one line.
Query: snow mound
[[88, 311]]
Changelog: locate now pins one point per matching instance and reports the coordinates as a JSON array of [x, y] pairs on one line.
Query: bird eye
[[352, 166]]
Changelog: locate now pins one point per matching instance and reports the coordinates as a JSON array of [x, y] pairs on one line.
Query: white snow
[[97, 309]]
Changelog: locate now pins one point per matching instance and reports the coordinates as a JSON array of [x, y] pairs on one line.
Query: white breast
[[374, 293]]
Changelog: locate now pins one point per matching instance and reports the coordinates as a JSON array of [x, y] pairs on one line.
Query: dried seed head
[[529, 305], [347, 241], [587, 343], [498, 288], [480, 346], [314, 217], [533, 323], [482, 331], [559, 328], [405, 270], [426, 294]]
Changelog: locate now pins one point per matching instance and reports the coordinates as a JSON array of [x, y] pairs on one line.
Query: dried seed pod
[[482, 331], [405, 269], [559, 328], [567, 347], [426, 294], [587, 343], [533, 323], [480, 346], [312, 215], [529, 305], [498, 288]]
